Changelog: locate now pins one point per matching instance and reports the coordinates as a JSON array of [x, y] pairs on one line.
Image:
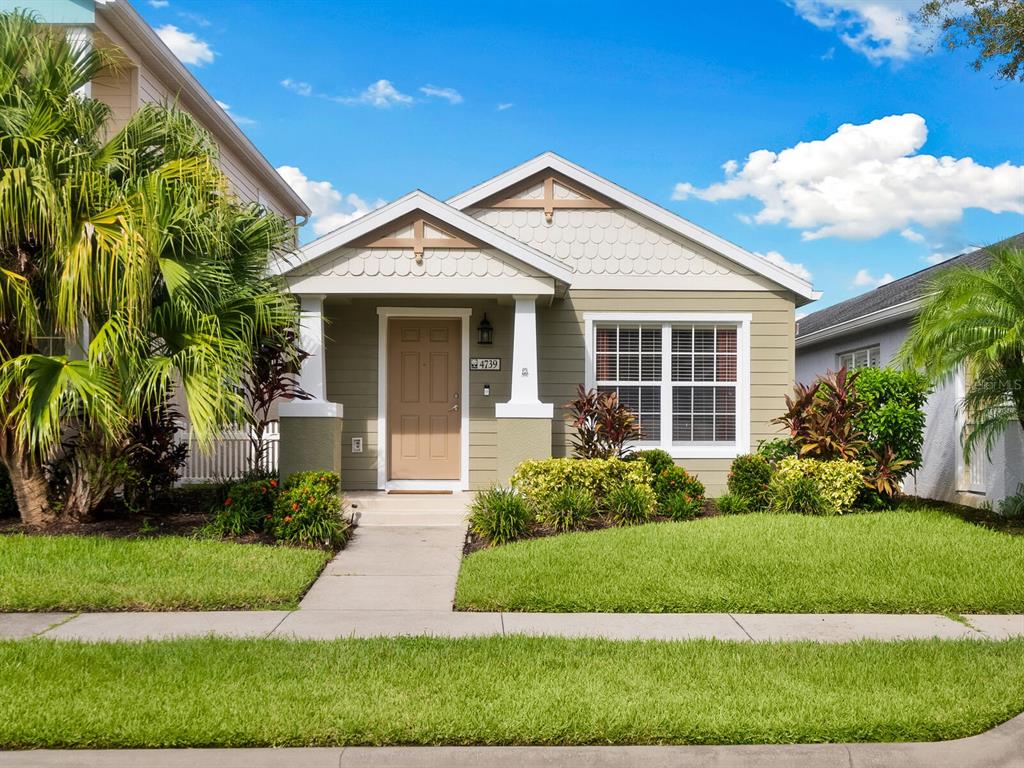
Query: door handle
[[454, 408]]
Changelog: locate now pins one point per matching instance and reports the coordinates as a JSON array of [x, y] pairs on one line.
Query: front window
[[681, 379], [867, 357]]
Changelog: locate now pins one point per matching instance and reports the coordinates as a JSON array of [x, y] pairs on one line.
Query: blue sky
[[364, 101]]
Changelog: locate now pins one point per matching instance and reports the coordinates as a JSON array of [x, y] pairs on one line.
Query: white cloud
[[864, 278], [240, 119], [299, 87], [505, 105], [912, 235], [937, 257], [881, 30], [436, 91], [776, 258], [381, 94], [864, 181], [829, 54], [186, 46], [330, 208], [159, 3]]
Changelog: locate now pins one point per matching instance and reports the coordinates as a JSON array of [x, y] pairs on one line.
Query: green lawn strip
[[90, 573], [904, 561], [500, 690]]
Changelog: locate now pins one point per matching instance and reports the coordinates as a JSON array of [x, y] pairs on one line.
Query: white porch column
[[311, 430], [313, 377], [525, 402]]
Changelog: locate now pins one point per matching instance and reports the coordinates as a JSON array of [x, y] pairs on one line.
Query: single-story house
[[446, 336], [868, 330]]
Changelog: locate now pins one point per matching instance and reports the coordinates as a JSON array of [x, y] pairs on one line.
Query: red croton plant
[[604, 426]]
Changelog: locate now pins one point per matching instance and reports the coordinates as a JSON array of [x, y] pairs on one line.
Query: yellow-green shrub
[[540, 479], [838, 481]]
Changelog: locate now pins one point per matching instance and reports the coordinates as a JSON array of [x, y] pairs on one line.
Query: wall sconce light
[[485, 331]]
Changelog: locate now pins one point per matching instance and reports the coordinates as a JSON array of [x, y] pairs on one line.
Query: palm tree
[[973, 319], [136, 237]]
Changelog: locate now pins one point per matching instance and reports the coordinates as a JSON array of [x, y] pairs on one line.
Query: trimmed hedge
[[541, 479], [838, 482]]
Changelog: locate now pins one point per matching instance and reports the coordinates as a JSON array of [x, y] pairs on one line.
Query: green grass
[[511, 690], [91, 573], [905, 561]]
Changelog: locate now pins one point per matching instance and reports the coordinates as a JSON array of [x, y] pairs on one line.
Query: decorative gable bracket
[[425, 234], [550, 202]]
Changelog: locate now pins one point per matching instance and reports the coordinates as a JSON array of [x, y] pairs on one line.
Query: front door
[[424, 398]]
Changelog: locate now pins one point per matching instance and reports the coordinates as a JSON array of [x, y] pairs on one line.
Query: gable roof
[[421, 201], [892, 301], [550, 161], [127, 21]]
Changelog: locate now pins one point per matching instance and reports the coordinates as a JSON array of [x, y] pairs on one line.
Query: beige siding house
[[447, 336], [147, 71]]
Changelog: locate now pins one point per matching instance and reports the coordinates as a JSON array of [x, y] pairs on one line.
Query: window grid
[[867, 357], [679, 379]]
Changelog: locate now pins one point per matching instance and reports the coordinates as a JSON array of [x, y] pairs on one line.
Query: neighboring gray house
[[868, 330]]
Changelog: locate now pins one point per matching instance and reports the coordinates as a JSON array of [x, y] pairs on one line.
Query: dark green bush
[[748, 479], [309, 512], [655, 458], [776, 450], [680, 506], [673, 480], [1012, 507], [499, 515], [732, 504], [796, 494], [892, 413], [630, 504], [247, 507], [570, 508]]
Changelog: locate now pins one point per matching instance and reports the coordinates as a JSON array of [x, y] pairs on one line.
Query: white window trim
[[854, 352], [970, 478], [742, 323], [383, 483]]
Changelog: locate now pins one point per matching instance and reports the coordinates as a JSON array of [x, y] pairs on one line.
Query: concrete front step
[[378, 501], [407, 519]]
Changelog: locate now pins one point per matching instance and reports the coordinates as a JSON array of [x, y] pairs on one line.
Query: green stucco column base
[[310, 438], [520, 439]]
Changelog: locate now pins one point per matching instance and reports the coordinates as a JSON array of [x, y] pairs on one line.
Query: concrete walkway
[[1001, 747], [398, 576]]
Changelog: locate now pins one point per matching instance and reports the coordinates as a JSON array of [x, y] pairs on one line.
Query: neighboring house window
[[685, 379], [868, 357]]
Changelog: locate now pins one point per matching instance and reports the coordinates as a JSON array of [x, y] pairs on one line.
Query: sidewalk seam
[[742, 628], [278, 625]]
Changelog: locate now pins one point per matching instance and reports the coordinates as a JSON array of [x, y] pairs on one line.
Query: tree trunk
[[30, 491]]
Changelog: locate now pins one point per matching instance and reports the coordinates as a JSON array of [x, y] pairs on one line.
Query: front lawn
[[93, 573], [904, 561], [512, 690]]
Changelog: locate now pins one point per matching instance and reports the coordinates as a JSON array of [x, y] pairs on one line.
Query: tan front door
[[424, 398]]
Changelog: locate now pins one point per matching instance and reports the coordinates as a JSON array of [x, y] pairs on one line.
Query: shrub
[[776, 450], [499, 515], [538, 480], [821, 418], [604, 426], [838, 482], [892, 418], [569, 508], [247, 507], [679, 506], [796, 494], [655, 458], [675, 480], [1012, 507], [731, 504], [629, 504], [308, 511], [749, 478]]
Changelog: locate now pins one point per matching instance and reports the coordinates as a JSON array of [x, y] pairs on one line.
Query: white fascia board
[[879, 317], [420, 285], [549, 160], [421, 201]]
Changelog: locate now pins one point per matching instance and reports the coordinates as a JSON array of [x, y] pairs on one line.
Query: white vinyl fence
[[230, 456]]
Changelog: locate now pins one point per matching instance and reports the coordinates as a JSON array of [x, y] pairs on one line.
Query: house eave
[[873, 319]]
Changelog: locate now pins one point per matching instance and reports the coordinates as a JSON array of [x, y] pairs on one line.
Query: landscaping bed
[[164, 573], [909, 560], [515, 690]]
